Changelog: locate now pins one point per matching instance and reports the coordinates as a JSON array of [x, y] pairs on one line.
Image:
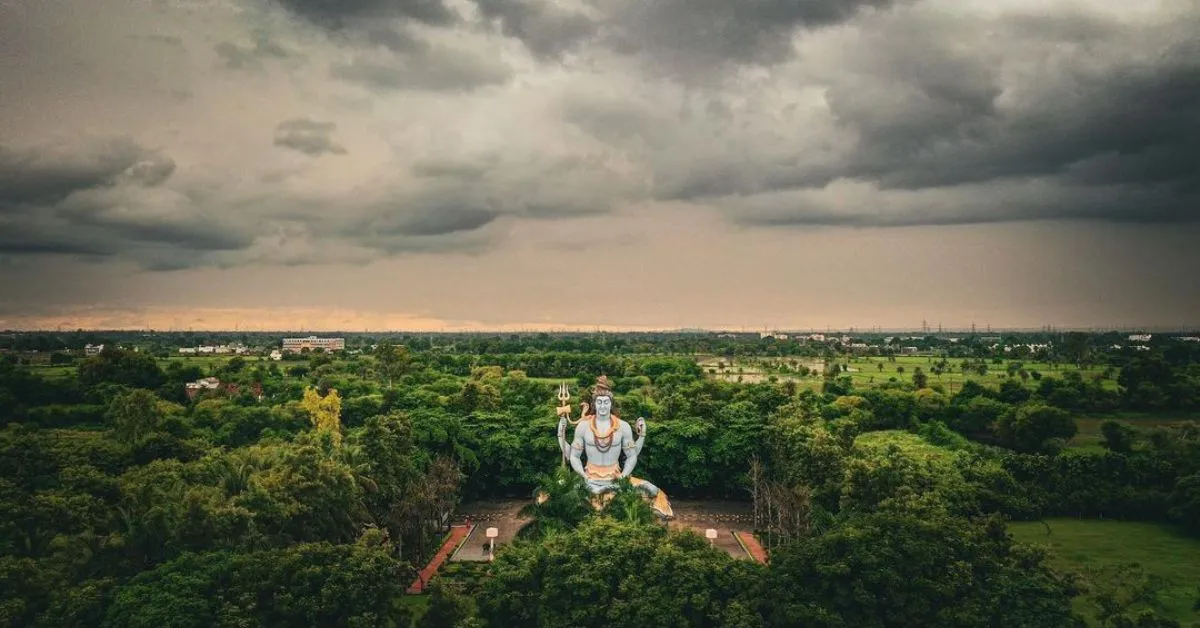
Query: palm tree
[[561, 502], [627, 504]]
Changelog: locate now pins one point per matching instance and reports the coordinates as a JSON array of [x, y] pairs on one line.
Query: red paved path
[[457, 534], [753, 547]]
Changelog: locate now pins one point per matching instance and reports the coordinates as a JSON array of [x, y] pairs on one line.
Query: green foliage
[[627, 504], [311, 584], [607, 573], [111, 473], [900, 569], [560, 503], [1185, 502], [1034, 427], [447, 608], [118, 366], [1118, 437]]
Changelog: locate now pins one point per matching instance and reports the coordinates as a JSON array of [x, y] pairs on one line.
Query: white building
[[312, 342], [1140, 337], [93, 349], [276, 354]]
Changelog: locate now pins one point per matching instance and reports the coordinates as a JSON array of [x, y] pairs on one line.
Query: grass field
[[866, 372], [1096, 548]]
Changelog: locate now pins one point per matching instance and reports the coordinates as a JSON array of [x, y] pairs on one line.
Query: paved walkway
[[499, 514], [753, 547], [457, 534], [726, 517]]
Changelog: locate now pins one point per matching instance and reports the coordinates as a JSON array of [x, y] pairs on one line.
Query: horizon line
[[943, 330]]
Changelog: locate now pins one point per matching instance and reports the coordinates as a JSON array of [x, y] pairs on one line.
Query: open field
[[870, 371], [1095, 548]]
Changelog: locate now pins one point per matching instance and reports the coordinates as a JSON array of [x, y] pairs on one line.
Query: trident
[[564, 413]]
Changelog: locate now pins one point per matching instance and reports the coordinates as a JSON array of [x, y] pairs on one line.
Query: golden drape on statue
[[611, 472]]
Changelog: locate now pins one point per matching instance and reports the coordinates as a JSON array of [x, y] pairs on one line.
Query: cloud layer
[[311, 131]]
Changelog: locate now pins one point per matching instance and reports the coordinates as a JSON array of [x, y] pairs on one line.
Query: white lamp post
[[711, 535], [492, 533]]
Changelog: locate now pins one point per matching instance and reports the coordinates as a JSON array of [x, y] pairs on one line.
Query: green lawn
[[865, 371], [1094, 548]]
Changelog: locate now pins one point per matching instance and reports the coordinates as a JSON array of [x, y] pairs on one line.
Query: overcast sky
[[451, 164]]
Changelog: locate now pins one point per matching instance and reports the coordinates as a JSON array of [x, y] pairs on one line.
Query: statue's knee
[[649, 489]]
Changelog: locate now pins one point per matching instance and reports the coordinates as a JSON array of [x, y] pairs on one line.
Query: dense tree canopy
[[127, 499]]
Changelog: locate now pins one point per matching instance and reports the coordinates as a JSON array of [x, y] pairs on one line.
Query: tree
[[978, 417], [447, 608], [394, 361], [919, 379], [325, 412], [1185, 502], [1118, 437], [314, 584], [117, 366], [647, 577], [1031, 427], [560, 503], [885, 569], [134, 415]]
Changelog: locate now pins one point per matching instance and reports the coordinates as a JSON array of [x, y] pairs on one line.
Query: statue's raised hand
[[640, 427]]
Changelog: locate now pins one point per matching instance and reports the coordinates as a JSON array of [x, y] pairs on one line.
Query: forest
[[308, 491]]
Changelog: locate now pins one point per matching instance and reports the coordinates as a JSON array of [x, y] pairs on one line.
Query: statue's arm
[[640, 428], [577, 451], [632, 448]]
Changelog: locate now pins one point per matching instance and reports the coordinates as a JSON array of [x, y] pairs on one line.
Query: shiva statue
[[604, 437]]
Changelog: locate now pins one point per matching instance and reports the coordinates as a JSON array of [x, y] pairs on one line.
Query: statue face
[[603, 405]]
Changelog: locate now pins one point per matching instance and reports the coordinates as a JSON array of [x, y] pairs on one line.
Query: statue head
[[602, 398]]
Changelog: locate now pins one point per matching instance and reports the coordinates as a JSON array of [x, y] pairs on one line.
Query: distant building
[[214, 349], [1140, 337], [296, 345], [276, 354], [195, 388], [909, 350], [93, 349], [214, 385]]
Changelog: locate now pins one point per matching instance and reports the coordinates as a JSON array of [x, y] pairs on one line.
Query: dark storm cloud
[[693, 34], [431, 69], [546, 29], [1105, 123], [99, 197], [308, 136], [336, 13], [48, 174], [944, 121], [683, 37]]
